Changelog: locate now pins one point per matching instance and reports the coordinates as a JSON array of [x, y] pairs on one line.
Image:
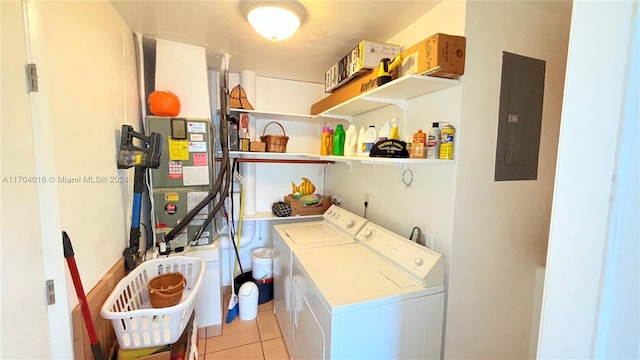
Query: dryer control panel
[[343, 219], [422, 264]]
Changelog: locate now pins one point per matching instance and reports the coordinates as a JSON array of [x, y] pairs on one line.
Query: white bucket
[[262, 263]]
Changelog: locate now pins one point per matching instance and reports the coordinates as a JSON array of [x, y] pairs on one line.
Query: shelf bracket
[[399, 103], [348, 118]]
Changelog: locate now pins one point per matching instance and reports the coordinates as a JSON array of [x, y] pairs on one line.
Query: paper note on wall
[[193, 199], [178, 149], [195, 175]]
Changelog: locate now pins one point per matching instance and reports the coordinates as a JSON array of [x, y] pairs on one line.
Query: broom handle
[[84, 307]]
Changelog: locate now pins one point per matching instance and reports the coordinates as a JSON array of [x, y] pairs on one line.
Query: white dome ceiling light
[[274, 20]]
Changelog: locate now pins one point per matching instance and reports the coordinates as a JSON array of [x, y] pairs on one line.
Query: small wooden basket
[[275, 143], [166, 290]]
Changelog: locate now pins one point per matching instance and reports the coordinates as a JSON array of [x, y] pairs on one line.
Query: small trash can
[[248, 301]]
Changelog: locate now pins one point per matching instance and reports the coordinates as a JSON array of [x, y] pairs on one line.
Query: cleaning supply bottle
[[351, 141], [395, 131], [325, 141], [360, 145], [433, 142], [418, 146], [370, 138], [446, 142], [385, 131], [330, 141], [338, 141]]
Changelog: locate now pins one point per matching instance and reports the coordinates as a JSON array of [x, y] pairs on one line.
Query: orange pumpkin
[[164, 103]]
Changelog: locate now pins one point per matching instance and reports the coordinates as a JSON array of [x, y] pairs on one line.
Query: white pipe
[[248, 234], [249, 171]]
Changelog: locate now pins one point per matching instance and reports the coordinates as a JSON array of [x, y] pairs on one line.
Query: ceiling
[[331, 29]]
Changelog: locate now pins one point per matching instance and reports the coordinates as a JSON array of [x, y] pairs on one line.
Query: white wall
[[95, 93], [500, 228], [86, 65], [591, 284], [22, 270]]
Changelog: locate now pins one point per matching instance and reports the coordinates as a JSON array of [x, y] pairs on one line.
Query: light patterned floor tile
[[275, 350], [246, 352], [237, 333], [268, 326]]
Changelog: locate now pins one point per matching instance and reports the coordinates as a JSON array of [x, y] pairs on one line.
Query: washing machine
[[381, 297], [338, 226]]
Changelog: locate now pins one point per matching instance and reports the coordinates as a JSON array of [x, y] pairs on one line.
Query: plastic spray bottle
[[338, 141], [351, 141], [325, 141]]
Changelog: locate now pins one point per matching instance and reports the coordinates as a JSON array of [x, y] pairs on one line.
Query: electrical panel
[[519, 118], [183, 178]]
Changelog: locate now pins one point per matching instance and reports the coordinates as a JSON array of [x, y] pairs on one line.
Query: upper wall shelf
[[275, 116], [394, 92]]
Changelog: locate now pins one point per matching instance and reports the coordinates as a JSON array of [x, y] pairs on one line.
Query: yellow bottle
[[395, 133], [447, 137], [325, 142]]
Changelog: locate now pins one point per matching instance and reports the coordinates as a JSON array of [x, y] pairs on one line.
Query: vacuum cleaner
[[143, 157]]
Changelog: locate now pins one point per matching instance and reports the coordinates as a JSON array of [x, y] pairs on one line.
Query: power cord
[[366, 204]]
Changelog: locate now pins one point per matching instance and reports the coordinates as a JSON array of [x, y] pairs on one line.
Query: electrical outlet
[[428, 241]]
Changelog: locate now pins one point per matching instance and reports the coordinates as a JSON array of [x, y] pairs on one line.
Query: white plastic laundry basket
[[136, 323]]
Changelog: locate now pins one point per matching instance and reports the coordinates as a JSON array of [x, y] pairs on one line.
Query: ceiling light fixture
[[275, 20]]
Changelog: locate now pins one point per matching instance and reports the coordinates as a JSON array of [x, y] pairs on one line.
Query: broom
[[233, 301], [233, 311]]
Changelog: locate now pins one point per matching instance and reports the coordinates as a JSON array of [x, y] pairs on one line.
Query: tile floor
[[257, 339]]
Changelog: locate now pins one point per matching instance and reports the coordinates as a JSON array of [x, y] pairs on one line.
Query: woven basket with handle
[[166, 290], [275, 143]]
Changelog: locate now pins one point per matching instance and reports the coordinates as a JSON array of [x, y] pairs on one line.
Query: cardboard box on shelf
[[439, 55], [360, 60], [297, 208], [257, 146]]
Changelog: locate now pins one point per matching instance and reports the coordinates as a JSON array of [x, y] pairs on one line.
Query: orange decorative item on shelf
[[238, 99], [166, 290], [164, 103]]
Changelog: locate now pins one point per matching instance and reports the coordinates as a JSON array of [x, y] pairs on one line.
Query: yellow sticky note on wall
[[178, 149]]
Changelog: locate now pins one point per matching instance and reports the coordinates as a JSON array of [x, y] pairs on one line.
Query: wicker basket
[[166, 290], [275, 143]]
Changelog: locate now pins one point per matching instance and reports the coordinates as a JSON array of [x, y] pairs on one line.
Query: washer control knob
[[350, 224], [368, 234], [337, 216], [330, 212], [418, 261]]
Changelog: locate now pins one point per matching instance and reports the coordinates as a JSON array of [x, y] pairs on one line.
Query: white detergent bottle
[[370, 138], [360, 145], [351, 141], [385, 131]]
